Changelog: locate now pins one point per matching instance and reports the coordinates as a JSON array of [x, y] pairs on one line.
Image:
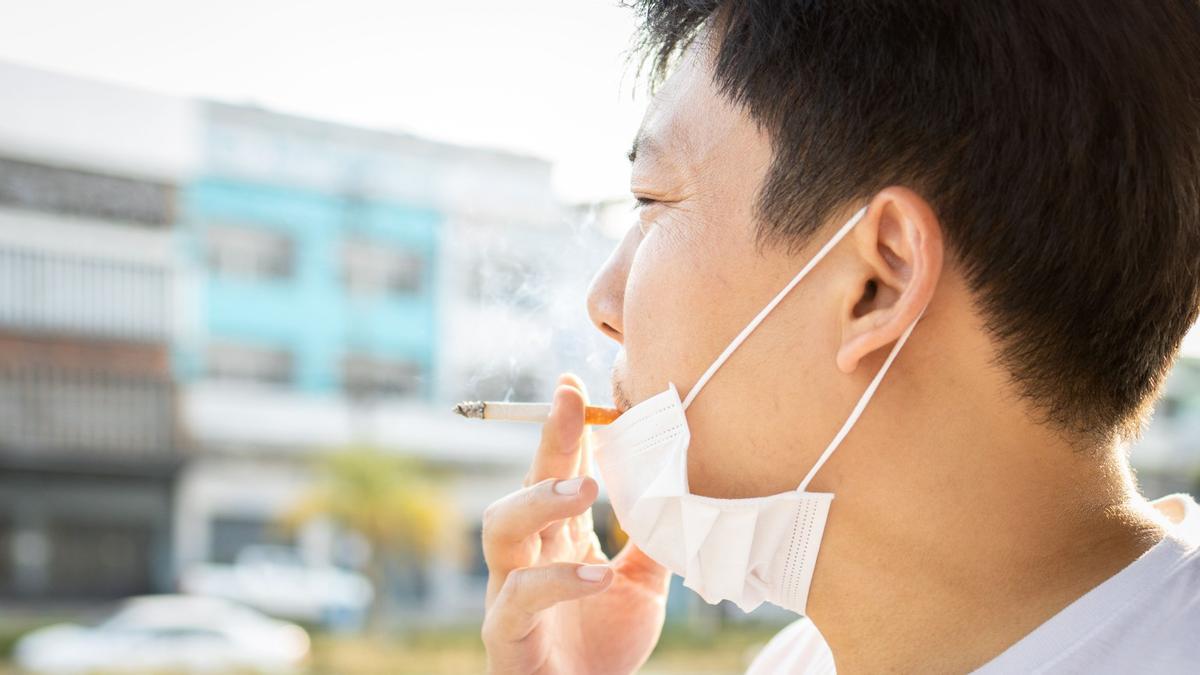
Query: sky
[[541, 77]]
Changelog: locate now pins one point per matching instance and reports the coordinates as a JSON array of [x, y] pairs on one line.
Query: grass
[[727, 650], [715, 651]]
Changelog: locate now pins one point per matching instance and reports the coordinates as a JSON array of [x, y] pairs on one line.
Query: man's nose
[[606, 294]]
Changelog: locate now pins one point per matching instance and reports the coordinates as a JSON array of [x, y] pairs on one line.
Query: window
[[246, 363], [250, 253], [76, 410], [82, 193], [230, 534], [369, 268], [99, 559], [364, 375]]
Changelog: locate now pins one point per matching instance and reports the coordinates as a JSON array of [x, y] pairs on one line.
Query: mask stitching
[[791, 556], [794, 565], [656, 439], [801, 568]]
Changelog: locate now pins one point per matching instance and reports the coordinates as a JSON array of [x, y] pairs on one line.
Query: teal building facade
[[302, 285]]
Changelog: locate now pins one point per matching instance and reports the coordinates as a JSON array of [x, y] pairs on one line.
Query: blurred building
[[308, 294], [344, 286], [89, 442], [200, 298]]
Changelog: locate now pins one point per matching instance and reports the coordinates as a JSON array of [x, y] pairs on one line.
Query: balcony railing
[[60, 293], [49, 414], [83, 193]]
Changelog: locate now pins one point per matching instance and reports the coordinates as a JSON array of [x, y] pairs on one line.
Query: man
[[1030, 173]]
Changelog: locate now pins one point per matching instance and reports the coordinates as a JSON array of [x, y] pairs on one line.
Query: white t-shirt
[[1144, 619]]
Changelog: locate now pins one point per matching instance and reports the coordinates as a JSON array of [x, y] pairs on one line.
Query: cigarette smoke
[[528, 287]]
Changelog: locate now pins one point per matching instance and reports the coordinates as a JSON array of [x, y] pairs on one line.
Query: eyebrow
[[633, 149], [643, 144]]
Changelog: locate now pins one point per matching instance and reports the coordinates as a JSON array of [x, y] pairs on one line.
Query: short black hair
[[1058, 141]]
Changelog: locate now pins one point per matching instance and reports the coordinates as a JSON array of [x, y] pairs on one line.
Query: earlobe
[[899, 246]]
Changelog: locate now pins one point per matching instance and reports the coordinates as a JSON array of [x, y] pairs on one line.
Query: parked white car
[[275, 580], [167, 633]]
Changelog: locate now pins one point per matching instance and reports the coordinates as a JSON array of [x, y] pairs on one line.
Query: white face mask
[[742, 550]]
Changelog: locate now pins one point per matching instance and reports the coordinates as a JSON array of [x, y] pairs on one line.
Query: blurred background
[[250, 254]]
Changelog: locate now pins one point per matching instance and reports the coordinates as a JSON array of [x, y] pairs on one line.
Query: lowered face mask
[[744, 550]]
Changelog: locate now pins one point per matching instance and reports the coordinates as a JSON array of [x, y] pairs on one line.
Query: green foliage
[[395, 502]]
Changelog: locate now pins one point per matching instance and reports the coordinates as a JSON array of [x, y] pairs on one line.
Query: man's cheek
[[658, 314]]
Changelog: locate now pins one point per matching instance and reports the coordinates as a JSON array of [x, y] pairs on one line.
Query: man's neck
[[942, 567]]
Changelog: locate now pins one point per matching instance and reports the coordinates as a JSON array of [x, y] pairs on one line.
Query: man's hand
[[555, 603]]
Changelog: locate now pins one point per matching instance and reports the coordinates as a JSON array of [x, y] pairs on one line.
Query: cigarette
[[528, 412]]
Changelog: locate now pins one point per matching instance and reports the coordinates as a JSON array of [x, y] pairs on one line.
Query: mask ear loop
[[860, 406], [737, 341]]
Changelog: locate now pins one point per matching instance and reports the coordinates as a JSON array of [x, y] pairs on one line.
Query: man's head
[[1033, 171]]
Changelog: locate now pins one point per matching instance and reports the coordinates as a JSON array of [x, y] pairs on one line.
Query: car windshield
[[274, 555], [183, 613]]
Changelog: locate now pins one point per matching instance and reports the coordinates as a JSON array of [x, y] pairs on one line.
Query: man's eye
[[643, 202]]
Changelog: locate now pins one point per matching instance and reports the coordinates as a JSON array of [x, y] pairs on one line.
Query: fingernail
[[592, 573], [568, 487]]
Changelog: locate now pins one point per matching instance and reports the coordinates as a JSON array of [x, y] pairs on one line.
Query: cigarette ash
[[470, 409]]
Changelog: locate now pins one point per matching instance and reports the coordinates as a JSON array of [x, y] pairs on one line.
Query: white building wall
[[85, 124]]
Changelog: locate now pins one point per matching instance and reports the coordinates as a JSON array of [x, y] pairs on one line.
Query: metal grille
[[81, 193], [42, 291], [51, 412]]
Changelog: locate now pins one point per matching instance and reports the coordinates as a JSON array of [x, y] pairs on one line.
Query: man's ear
[[899, 245]]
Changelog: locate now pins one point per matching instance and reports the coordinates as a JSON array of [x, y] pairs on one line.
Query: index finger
[[558, 453]]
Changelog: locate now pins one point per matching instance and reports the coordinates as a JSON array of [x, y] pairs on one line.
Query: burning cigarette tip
[[470, 409]]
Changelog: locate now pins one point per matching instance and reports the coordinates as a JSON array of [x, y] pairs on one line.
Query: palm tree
[[393, 502]]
